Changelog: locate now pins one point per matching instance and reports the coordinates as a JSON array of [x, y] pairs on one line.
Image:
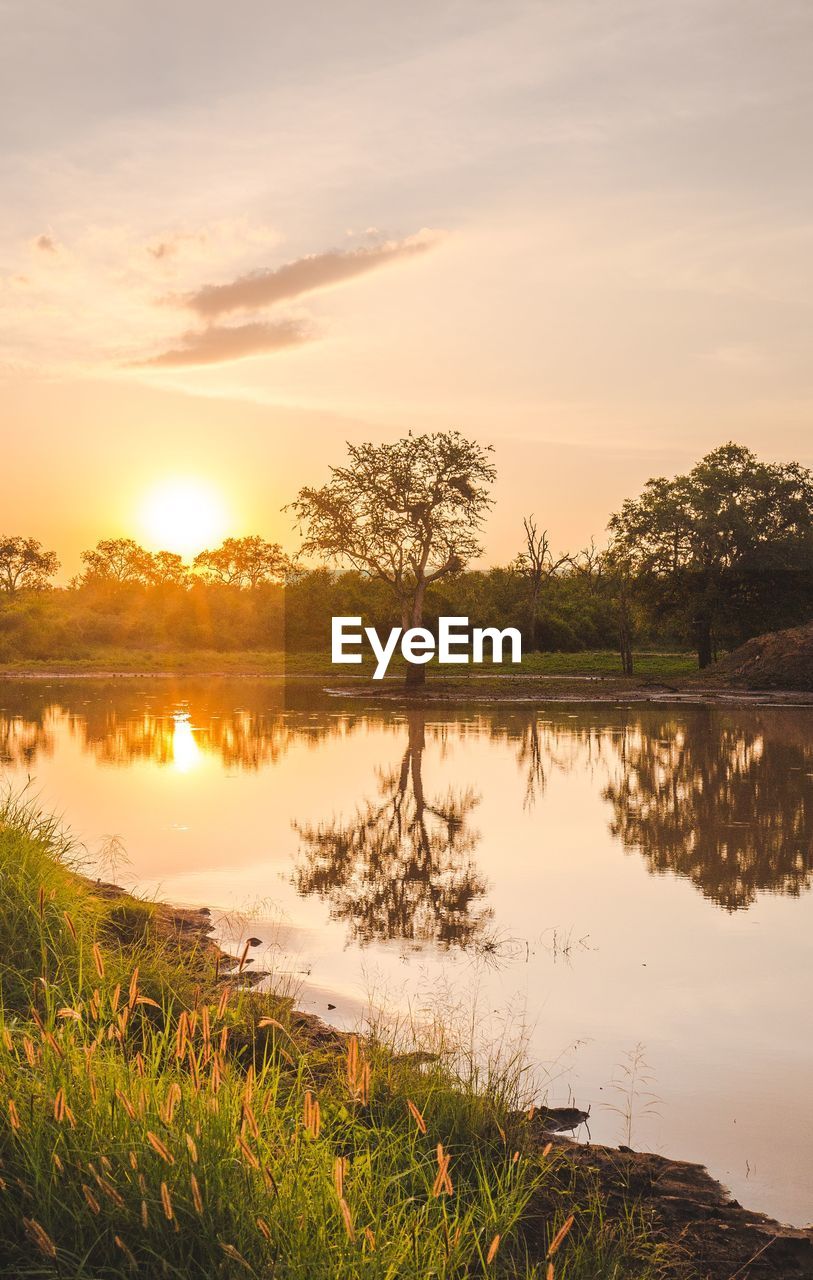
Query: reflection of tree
[[531, 758], [22, 740], [246, 725], [723, 798], [726, 802], [402, 868], [240, 738]]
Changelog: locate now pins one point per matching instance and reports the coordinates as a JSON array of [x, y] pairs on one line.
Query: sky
[[234, 237]]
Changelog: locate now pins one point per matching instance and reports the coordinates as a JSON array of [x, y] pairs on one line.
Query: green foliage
[[728, 548], [709, 559], [25, 565]]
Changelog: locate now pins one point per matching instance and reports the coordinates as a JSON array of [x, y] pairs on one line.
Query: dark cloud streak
[[219, 344], [305, 275]]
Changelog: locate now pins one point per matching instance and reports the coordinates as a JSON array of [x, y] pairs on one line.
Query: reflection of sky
[[715, 997]]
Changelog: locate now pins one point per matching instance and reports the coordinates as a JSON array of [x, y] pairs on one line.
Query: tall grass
[[155, 1123]]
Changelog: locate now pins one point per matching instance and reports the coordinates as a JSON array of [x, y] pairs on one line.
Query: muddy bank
[[586, 689], [710, 1236]]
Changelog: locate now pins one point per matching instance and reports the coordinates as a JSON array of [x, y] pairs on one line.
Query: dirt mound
[[778, 660]]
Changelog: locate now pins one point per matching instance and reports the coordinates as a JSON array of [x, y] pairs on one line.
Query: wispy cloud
[[221, 343], [304, 275]]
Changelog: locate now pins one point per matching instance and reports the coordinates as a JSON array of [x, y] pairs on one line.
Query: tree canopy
[[116, 561], [722, 529], [408, 513], [243, 562], [24, 564]]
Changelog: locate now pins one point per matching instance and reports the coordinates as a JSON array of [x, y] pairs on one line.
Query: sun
[[183, 515]]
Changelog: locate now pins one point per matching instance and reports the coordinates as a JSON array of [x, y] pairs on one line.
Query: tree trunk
[[415, 675], [533, 616], [625, 649], [412, 616], [705, 647], [625, 636]]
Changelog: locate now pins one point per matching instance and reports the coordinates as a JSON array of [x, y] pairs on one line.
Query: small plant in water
[[632, 1085]]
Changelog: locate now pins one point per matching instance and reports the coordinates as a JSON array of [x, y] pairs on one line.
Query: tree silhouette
[[537, 565], [116, 562], [25, 565], [717, 539], [402, 867], [243, 562], [407, 513]]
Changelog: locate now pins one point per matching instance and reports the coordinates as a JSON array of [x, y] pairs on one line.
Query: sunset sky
[[234, 236]]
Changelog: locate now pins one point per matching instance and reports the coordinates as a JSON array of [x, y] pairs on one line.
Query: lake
[[630, 883]]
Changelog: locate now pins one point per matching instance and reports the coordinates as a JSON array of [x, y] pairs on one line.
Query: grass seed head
[[416, 1116], [157, 1145], [560, 1235], [40, 1238], [166, 1201]]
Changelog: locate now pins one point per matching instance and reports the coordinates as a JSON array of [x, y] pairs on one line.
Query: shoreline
[[681, 1200], [510, 687]]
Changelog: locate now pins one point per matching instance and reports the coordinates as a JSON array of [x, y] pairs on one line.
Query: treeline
[[74, 621], [703, 560], [578, 607]]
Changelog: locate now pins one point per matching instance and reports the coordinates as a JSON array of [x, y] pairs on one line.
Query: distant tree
[[243, 562], [713, 540], [536, 564], [116, 562], [25, 565], [610, 573], [166, 569], [407, 513]]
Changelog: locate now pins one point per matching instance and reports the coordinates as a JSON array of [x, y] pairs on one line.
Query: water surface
[[618, 876]]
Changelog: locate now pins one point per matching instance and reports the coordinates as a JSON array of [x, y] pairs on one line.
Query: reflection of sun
[[185, 750], [185, 516]]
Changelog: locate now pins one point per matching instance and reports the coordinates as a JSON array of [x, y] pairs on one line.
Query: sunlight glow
[[184, 516], [185, 750]]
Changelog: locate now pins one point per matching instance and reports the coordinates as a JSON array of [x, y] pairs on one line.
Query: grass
[[157, 1122], [598, 662]]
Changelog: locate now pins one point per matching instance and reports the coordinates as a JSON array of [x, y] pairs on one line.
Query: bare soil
[[711, 1236], [779, 660]]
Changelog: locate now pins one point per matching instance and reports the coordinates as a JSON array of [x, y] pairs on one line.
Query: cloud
[[46, 244], [304, 275], [219, 343]]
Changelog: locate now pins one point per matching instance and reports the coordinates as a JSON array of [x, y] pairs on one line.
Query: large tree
[[25, 565], [710, 544], [116, 562], [407, 513], [166, 569], [243, 562]]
